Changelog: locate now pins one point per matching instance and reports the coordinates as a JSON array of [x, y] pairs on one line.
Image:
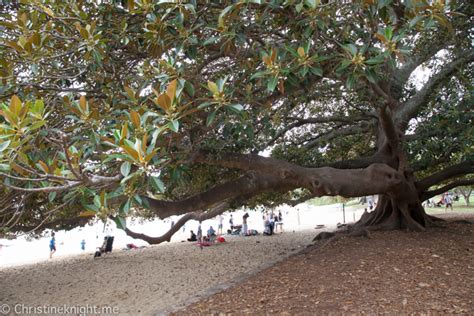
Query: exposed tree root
[[462, 221], [324, 235]]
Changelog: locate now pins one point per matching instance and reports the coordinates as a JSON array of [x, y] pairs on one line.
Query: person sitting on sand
[[193, 237], [211, 232], [52, 245]]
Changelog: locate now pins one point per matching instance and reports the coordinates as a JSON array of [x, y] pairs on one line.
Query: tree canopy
[[158, 108]]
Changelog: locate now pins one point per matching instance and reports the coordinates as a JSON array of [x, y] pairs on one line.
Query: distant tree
[[466, 193], [117, 109]]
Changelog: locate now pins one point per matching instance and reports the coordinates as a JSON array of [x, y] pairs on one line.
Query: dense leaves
[[105, 102]]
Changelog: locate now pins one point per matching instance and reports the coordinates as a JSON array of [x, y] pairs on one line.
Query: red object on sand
[[220, 239]]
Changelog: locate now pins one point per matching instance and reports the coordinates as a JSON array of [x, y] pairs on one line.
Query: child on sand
[[52, 246]]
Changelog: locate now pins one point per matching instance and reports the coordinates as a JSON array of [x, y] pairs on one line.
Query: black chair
[[109, 243], [106, 246]]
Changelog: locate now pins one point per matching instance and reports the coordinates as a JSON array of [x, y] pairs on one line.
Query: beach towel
[[204, 244]]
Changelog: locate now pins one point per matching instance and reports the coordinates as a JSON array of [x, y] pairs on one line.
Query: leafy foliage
[[103, 102]]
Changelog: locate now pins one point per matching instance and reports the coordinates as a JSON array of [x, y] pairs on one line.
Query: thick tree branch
[[315, 120], [463, 168], [375, 179], [429, 194], [413, 105], [249, 184]]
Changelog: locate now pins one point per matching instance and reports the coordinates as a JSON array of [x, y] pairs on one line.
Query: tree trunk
[[466, 198], [398, 209]]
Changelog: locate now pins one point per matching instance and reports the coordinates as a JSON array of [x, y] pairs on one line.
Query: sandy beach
[[149, 281]]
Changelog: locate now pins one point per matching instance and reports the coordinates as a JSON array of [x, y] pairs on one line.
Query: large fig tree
[[151, 108]]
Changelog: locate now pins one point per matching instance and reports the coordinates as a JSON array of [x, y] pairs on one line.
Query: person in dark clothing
[[193, 237]]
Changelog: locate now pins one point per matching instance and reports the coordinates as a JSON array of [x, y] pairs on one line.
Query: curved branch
[[460, 169], [44, 189], [327, 137], [249, 184], [413, 105], [199, 216], [429, 194], [313, 120]]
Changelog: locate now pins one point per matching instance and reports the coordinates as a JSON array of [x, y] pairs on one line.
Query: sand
[[149, 281]]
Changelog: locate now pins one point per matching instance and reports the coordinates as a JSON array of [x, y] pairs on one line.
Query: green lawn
[[328, 200], [458, 206]]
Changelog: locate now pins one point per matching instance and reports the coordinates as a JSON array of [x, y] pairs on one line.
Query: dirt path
[[393, 272]]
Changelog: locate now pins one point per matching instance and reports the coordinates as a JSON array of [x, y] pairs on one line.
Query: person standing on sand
[[83, 245], [199, 233], [220, 218], [52, 246], [244, 224], [231, 222]]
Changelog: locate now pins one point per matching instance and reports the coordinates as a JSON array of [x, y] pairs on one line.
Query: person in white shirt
[[220, 218], [448, 202]]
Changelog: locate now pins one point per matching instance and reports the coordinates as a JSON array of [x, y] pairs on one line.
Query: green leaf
[[311, 3], [259, 74], [343, 65], [220, 21], [125, 168], [303, 71], [371, 76], [351, 48], [221, 82], [52, 196], [376, 60], [316, 71], [120, 222], [189, 88], [299, 7], [210, 118], [125, 208], [388, 32], [4, 167], [174, 125], [157, 184], [4, 145], [204, 104], [350, 81], [211, 40], [237, 108], [272, 83]]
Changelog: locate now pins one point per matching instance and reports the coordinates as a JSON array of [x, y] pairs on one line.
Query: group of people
[[271, 222], [210, 236]]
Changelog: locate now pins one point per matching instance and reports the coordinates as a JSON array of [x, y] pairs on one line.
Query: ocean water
[[26, 251]]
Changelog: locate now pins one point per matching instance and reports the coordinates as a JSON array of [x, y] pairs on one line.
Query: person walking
[[52, 246], [448, 202], [83, 244]]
